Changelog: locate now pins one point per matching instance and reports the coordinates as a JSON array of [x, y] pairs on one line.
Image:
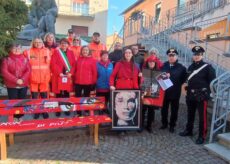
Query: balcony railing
[[72, 10]]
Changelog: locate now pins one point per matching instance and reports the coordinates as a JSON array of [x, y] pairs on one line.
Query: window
[[213, 36], [80, 30], [157, 12], [81, 7]]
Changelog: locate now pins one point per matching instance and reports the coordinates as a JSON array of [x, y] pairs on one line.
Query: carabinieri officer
[[200, 75]]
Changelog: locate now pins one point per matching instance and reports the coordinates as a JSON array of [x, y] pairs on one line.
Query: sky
[[115, 20]]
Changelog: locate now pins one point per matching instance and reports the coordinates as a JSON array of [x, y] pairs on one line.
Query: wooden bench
[[31, 106]]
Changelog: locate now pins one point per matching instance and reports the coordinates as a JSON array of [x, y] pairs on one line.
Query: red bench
[[31, 106]]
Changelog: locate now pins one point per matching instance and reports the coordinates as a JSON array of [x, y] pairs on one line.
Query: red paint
[[54, 123]]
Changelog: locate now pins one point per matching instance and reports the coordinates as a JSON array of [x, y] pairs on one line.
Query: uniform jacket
[[39, 59], [85, 71], [96, 49], [125, 76], [201, 79], [76, 51], [13, 68], [57, 67], [177, 76], [104, 71]]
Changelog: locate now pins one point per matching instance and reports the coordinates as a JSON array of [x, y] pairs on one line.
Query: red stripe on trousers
[[205, 119]]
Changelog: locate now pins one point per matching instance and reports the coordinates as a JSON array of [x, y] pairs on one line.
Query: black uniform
[[172, 95], [198, 92]]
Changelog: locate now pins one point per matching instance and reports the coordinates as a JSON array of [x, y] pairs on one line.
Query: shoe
[[185, 133], [58, 114], [36, 116], [149, 129], [199, 141], [67, 113], [171, 130], [45, 115], [163, 127]]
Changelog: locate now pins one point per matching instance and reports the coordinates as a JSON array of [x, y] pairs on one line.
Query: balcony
[[75, 10]]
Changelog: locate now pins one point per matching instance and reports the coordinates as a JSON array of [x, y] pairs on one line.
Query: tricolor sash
[[65, 60]]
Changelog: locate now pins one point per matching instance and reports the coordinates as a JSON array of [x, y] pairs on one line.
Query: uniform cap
[[172, 51], [198, 49]]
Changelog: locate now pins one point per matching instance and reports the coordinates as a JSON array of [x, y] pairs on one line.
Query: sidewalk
[[75, 146]]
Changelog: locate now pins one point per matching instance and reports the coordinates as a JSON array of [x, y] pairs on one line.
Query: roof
[[132, 6]]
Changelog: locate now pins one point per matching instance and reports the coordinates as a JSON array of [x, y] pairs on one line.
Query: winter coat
[[104, 71], [39, 59], [96, 49], [15, 67], [58, 66], [115, 56], [125, 76], [85, 71], [178, 76]]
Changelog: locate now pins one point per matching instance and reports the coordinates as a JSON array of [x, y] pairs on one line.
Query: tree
[[13, 14]]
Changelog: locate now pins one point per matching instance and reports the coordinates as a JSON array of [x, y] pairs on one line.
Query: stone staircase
[[221, 148]]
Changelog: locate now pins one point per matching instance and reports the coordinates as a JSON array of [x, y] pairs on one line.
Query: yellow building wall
[[218, 28], [149, 8], [111, 39], [98, 8]]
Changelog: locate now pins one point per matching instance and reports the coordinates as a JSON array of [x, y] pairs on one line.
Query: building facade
[[149, 17], [83, 16]]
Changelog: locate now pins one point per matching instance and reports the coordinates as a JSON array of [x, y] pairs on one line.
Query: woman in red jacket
[[85, 73], [125, 73], [62, 69], [16, 71]]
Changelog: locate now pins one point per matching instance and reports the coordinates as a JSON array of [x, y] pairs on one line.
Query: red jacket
[[126, 75], [96, 49], [57, 67], [15, 67], [85, 71]]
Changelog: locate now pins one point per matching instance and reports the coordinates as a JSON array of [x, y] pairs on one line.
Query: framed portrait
[[151, 89], [150, 85], [126, 109]]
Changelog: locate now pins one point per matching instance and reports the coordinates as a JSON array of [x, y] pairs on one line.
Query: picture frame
[[126, 109], [150, 84], [152, 92]]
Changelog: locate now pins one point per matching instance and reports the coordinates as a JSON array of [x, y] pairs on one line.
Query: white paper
[[164, 81]]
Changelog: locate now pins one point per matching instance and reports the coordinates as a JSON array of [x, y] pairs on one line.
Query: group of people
[[69, 69]]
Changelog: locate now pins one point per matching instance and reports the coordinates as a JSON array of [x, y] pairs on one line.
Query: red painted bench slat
[[33, 125]]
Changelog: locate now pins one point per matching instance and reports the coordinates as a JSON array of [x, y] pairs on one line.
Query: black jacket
[[203, 78], [115, 56], [177, 76]]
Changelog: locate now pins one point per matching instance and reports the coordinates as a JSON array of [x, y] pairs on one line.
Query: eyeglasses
[[37, 42]]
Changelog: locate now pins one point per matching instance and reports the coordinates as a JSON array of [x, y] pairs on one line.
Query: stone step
[[219, 150], [224, 139]]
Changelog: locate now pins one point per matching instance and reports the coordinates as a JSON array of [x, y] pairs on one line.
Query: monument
[[42, 18]]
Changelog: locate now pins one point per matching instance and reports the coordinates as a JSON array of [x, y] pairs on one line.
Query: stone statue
[[42, 18]]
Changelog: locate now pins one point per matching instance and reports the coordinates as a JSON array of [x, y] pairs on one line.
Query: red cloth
[[15, 67], [126, 75], [96, 49], [57, 67], [154, 59], [85, 71]]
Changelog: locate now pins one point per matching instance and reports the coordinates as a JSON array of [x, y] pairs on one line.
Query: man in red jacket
[[96, 46]]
